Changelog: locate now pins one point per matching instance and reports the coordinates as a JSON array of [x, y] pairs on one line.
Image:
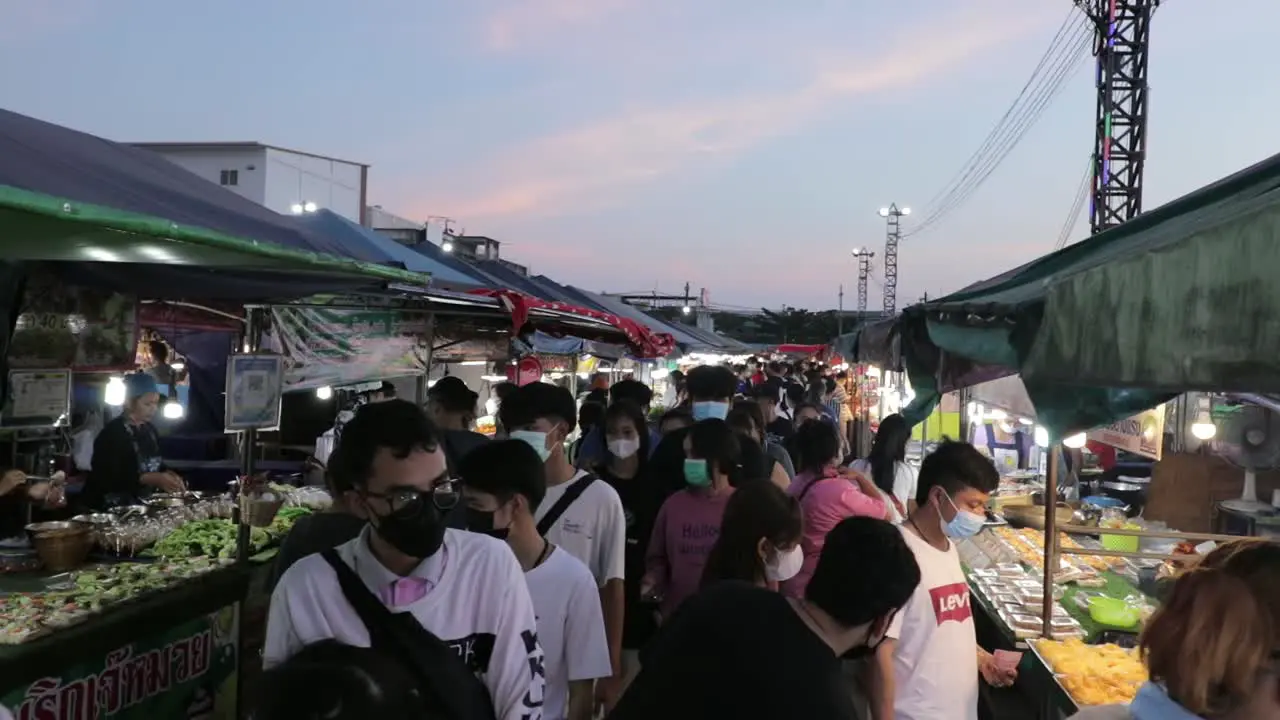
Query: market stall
[[110, 624], [1101, 333]]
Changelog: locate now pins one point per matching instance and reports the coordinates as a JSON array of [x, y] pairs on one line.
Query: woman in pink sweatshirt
[[689, 522], [827, 495]]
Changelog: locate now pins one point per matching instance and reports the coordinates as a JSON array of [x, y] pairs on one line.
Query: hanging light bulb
[[1041, 437], [324, 392], [114, 395], [1203, 428], [173, 410], [1075, 442]]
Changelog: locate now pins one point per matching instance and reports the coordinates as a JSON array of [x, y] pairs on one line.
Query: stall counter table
[[1036, 691], [174, 653]]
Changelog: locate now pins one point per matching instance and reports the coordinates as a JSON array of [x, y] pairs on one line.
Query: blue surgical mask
[[965, 524], [696, 473], [534, 439], [708, 410]]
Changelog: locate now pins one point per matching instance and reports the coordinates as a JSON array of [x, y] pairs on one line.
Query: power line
[[986, 144], [1077, 206], [1068, 47]]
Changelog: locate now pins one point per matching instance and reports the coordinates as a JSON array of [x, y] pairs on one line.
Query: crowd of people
[[728, 558]]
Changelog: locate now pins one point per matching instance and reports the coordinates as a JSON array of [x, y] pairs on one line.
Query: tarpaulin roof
[[122, 216], [449, 260], [712, 339], [362, 243], [643, 343], [686, 341], [1180, 298]]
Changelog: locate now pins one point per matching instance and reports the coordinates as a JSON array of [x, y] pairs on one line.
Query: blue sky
[[622, 145]]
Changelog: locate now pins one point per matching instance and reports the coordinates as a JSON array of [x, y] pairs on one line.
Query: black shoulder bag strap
[[571, 494], [445, 680]]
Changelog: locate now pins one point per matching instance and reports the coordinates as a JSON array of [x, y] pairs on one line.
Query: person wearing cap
[[126, 454]]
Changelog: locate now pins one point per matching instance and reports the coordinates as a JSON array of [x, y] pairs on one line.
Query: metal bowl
[[127, 512], [97, 519], [56, 527], [165, 502]]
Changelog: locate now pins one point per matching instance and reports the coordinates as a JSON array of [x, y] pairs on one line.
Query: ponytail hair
[[1211, 640]]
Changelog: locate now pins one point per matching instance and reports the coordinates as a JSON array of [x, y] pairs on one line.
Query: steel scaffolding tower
[[1123, 34], [893, 233]]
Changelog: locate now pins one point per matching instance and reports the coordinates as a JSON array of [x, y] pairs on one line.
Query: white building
[[283, 180], [402, 230]]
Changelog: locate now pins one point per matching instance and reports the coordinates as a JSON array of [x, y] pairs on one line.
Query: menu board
[[38, 398]]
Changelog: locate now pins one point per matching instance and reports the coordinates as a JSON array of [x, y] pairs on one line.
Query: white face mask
[[785, 565], [623, 448]]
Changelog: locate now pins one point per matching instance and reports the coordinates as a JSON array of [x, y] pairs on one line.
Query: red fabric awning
[[792, 349], [643, 342]]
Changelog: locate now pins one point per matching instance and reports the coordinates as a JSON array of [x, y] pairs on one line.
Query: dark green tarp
[[1185, 297]]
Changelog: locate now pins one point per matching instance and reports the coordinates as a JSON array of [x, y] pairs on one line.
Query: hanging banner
[[331, 347], [1142, 434], [73, 327], [188, 671]]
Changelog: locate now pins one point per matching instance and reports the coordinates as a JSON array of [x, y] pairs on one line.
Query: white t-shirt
[[935, 665], [592, 529], [570, 627], [905, 481], [478, 604]]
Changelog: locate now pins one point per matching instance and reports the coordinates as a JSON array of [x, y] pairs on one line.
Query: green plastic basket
[[1120, 543]]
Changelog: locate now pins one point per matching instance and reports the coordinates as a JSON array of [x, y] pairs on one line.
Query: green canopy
[[1185, 297], [38, 227]]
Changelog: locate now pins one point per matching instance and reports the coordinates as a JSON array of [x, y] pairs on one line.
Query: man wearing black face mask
[[503, 485], [459, 607], [703, 665]]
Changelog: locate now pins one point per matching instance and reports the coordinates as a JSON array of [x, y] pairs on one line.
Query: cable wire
[[1077, 206], [1069, 46]]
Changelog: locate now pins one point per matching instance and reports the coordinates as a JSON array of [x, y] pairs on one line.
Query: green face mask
[[696, 474]]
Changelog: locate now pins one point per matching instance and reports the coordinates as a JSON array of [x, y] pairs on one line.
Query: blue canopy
[[361, 243]]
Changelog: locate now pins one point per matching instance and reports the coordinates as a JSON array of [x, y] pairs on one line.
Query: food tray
[[32, 615], [1060, 679]]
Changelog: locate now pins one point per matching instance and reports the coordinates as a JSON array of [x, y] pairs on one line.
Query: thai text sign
[[189, 671], [81, 328], [338, 346], [1142, 434]]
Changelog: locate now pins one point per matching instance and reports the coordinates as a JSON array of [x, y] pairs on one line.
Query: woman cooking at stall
[[126, 454]]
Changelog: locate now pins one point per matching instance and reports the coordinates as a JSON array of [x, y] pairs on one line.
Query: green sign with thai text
[[189, 671]]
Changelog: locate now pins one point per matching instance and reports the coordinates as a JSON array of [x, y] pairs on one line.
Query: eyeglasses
[[444, 496]]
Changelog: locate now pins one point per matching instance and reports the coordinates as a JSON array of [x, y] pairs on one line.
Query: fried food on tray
[[1094, 674]]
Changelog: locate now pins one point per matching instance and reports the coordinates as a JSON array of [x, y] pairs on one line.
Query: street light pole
[[893, 232], [864, 273]]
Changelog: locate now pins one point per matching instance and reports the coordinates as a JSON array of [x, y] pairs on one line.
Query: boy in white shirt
[[579, 513], [929, 665], [503, 484], [465, 589]]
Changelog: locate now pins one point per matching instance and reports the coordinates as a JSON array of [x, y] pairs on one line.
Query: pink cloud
[[20, 19], [585, 168], [519, 22]]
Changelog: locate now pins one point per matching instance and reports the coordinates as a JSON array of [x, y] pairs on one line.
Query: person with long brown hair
[[1212, 648], [759, 541]]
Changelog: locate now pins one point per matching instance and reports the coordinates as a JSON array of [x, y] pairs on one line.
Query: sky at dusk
[[625, 145]]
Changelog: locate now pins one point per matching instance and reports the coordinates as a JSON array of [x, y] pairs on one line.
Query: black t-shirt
[[780, 431], [666, 464], [641, 500], [121, 454], [737, 651]]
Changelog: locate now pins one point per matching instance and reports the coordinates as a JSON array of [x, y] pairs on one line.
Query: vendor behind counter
[[126, 455]]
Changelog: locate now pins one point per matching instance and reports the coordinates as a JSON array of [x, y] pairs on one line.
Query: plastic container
[[1120, 543], [1113, 613]]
